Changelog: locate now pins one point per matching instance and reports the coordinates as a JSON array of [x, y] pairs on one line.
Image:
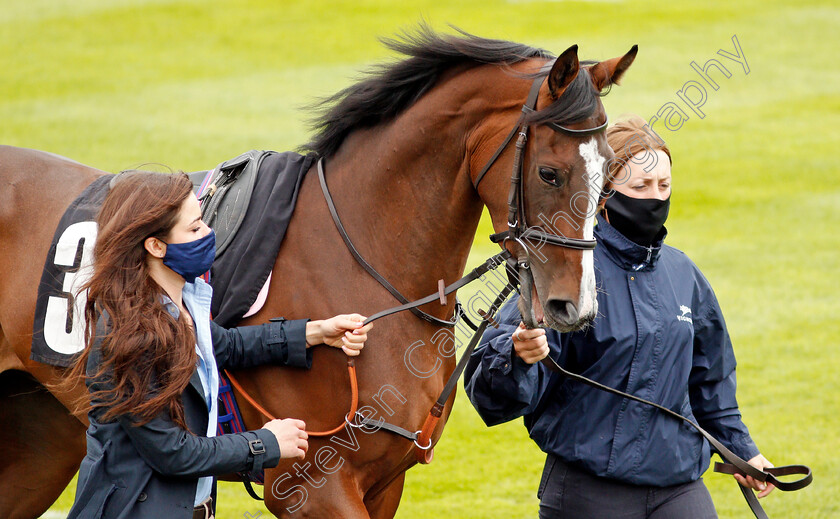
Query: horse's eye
[[550, 176]]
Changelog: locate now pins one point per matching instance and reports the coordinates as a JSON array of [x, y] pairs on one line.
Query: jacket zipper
[[641, 265]]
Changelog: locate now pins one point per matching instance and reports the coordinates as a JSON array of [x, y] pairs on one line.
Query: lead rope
[[735, 465]]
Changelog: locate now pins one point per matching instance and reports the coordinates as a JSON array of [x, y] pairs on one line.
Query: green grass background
[[756, 191]]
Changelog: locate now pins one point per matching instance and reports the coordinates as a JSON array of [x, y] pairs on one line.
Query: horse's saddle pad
[[225, 193]]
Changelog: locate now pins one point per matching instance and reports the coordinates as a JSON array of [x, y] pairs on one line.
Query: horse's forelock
[[577, 102]]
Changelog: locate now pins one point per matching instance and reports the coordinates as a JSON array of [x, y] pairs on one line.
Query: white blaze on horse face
[[588, 303]]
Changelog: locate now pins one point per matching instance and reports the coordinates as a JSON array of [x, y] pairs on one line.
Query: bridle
[[517, 224]]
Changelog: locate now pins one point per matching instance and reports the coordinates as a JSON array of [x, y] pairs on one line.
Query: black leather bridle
[[517, 225]]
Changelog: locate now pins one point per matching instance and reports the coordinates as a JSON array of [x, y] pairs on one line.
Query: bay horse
[[402, 150]]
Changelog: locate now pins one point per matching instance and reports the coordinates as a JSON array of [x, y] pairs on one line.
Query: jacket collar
[[625, 253]]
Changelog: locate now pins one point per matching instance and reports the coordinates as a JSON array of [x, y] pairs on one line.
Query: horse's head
[[564, 171]]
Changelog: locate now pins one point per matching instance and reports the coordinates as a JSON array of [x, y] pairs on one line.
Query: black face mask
[[640, 220]]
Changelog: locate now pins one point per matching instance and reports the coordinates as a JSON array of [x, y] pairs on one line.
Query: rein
[[735, 465], [354, 399], [367, 266], [517, 229]]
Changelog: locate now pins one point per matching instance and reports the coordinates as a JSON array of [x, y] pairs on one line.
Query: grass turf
[[756, 190]]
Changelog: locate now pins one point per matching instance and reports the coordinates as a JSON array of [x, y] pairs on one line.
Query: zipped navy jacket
[[659, 335]]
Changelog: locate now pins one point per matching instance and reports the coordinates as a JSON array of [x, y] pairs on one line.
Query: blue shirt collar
[[196, 297]]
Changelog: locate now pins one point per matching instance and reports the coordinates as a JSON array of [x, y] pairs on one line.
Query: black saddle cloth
[[241, 271]]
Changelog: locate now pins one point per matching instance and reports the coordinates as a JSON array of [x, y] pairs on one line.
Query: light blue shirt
[[196, 297]]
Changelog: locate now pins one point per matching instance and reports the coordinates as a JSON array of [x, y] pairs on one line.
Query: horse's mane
[[389, 89]]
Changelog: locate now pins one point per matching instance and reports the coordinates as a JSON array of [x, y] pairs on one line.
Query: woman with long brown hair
[[153, 355]]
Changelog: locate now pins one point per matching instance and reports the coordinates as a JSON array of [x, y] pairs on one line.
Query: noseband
[[517, 227]]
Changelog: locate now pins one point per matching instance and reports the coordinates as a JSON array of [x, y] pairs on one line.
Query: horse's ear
[[563, 72], [608, 72]]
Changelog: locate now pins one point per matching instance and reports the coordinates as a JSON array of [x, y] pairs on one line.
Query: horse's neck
[[408, 182], [414, 212]]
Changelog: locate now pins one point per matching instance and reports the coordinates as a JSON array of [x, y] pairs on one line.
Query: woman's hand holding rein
[[342, 331], [291, 437], [530, 345], [761, 463]]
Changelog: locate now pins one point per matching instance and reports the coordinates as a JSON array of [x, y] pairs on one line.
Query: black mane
[[389, 89]]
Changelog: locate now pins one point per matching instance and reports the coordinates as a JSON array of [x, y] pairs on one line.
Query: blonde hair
[[629, 136]]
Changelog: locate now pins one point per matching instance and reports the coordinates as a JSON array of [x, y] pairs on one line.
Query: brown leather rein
[[516, 229], [354, 399]]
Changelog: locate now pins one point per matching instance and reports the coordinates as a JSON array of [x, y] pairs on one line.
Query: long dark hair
[[147, 355]]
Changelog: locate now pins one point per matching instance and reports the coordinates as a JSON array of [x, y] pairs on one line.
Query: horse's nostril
[[562, 311]]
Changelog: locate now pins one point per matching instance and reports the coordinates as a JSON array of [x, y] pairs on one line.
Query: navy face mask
[[193, 258], [640, 220]]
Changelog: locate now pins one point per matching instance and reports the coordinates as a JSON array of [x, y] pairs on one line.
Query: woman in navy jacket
[[659, 335], [152, 359]]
